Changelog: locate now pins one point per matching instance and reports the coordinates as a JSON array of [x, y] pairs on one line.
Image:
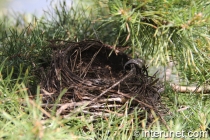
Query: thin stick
[[114, 85]]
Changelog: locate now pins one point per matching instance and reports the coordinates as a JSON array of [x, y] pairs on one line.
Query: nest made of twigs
[[95, 78]]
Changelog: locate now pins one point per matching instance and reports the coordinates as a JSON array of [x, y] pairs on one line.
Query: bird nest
[[90, 77]]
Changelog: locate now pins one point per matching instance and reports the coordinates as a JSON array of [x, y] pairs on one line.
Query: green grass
[[22, 118], [23, 50]]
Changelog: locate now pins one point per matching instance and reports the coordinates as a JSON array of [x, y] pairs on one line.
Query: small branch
[[194, 89], [179, 88]]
